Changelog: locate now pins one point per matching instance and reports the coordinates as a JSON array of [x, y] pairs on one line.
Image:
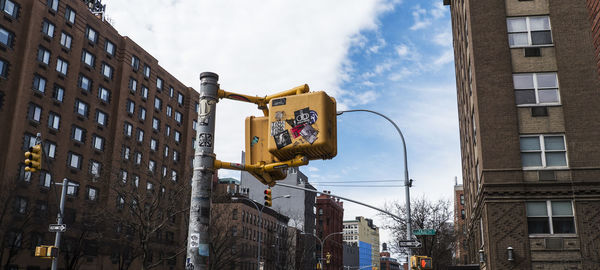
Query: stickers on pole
[[300, 129]]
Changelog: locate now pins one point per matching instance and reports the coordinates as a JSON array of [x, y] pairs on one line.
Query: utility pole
[[59, 220], [198, 241]]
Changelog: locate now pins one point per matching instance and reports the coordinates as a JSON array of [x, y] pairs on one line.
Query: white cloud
[[446, 57], [420, 17], [313, 169], [402, 50], [443, 38], [381, 43]]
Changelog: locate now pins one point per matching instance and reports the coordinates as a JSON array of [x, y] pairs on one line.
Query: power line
[[357, 181]]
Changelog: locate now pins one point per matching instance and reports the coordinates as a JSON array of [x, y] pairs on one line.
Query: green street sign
[[424, 232]]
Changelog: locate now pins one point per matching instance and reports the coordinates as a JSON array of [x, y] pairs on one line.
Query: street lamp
[[259, 222], [322, 243], [407, 181]]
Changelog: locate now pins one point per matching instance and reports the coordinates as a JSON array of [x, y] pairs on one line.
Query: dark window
[[10, 7], [109, 47], [70, 15], [48, 28], [59, 93], [6, 37], [91, 34], [39, 83], [85, 83]]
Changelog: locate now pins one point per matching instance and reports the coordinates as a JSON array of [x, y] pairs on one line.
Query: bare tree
[[425, 214], [225, 246]]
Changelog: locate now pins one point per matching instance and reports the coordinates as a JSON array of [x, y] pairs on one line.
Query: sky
[[391, 56]]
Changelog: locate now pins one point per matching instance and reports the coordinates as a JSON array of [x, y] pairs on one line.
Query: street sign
[[409, 244], [57, 228], [424, 232]]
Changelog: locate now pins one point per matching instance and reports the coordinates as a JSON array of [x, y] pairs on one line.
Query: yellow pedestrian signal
[[328, 258], [46, 252], [268, 197], [33, 158], [420, 262]]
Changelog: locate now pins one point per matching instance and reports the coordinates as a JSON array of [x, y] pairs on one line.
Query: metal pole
[[407, 183], [198, 237], [59, 221]]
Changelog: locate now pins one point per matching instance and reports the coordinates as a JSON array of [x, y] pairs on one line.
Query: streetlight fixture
[[259, 222], [407, 181], [511, 254], [322, 243]]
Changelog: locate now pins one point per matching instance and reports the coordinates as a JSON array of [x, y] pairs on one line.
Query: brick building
[[330, 219], [527, 85], [460, 229], [112, 121], [594, 10]]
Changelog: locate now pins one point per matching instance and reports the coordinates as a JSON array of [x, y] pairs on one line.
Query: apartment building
[[528, 102], [330, 218], [112, 121], [363, 233], [460, 228]]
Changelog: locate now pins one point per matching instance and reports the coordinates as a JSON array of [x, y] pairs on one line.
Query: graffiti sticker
[[205, 109], [279, 102], [205, 140], [277, 127], [296, 131], [194, 240], [302, 116], [309, 134], [313, 117], [282, 139], [254, 141], [279, 115]]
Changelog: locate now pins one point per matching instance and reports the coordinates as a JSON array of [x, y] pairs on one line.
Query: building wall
[[364, 254], [330, 216], [497, 186], [351, 256], [17, 86], [594, 10], [460, 229], [363, 230]]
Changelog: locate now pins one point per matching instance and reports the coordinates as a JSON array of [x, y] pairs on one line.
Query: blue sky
[[392, 56]]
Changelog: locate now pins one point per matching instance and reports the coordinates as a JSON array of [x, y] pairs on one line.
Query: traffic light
[[33, 158], [420, 262], [268, 197], [328, 258], [46, 252]]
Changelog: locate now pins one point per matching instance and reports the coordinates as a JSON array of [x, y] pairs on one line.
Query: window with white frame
[[137, 158], [53, 4], [153, 144], [66, 40], [92, 193], [77, 134], [529, 31], [140, 135], [34, 113], [155, 124], [81, 108], [132, 84], [50, 149], [74, 160], [107, 70], [104, 94], [159, 83], [130, 106], [62, 66], [169, 111], [109, 47], [88, 58], [543, 151], [91, 34], [98, 142], [85, 83], [171, 91], [173, 175], [43, 55], [39, 83], [45, 179], [144, 92], [175, 155], [142, 113], [167, 130], [95, 168], [157, 103], [101, 118], [10, 7], [166, 152], [536, 88], [177, 136], [146, 71], [136, 180], [179, 99], [70, 15], [53, 120], [127, 129], [73, 188], [550, 217], [164, 171], [178, 117], [59, 93], [48, 28], [135, 62]]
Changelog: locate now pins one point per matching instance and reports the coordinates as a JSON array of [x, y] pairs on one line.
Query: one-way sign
[[57, 227], [409, 244]]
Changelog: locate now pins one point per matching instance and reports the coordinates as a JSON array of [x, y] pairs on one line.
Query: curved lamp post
[[322, 243], [259, 222], [407, 182]]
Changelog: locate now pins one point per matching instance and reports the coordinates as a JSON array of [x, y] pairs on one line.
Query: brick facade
[[330, 218]]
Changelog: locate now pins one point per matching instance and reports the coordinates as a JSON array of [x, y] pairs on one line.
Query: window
[[153, 144], [155, 124], [159, 84], [146, 71], [72, 190], [3, 73], [53, 4], [78, 134], [194, 124], [20, 205], [45, 179], [6, 37], [125, 151], [92, 193], [167, 130], [173, 175], [149, 187], [550, 217], [123, 176], [140, 135], [88, 58], [164, 171], [43, 55], [169, 111], [59, 93], [144, 92], [66, 40], [142, 113], [50, 149], [127, 129], [177, 136], [97, 142], [34, 113], [178, 117], [9, 7], [135, 62], [536, 88], [48, 28], [529, 31], [23, 175], [39, 83], [543, 151], [85, 83], [166, 150], [53, 120], [171, 91], [120, 202], [107, 70], [175, 155], [151, 165], [70, 15], [157, 103], [101, 118], [462, 199], [91, 35], [130, 107], [109, 47], [137, 158], [136, 180], [74, 161], [132, 84], [81, 108], [62, 66], [104, 94], [95, 168], [179, 99]]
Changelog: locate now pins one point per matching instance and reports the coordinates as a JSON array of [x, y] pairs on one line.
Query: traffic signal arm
[[266, 173], [263, 101]]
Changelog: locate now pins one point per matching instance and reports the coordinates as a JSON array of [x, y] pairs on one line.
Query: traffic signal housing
[[46, 252], [421, 262], [268, 197], [33, 158]]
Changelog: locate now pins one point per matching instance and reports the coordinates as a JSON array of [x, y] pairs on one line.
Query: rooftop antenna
[[96, 7]]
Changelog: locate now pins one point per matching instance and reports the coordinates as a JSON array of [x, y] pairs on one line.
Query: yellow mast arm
[[262, 101]]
